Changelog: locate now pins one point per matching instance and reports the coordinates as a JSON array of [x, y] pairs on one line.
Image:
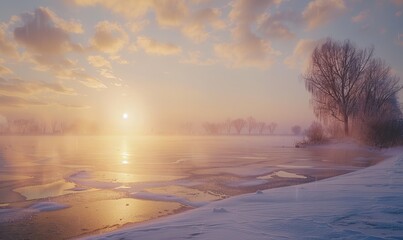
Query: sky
[[168, 62]]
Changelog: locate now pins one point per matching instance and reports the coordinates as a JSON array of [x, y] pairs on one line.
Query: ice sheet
[[366, 204]]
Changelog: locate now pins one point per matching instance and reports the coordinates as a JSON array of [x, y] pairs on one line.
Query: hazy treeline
[[32, 126], [238, 126]]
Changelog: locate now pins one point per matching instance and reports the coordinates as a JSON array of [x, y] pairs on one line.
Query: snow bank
[[366, 204]]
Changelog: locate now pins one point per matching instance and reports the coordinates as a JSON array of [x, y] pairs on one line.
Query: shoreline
[[225, 209]]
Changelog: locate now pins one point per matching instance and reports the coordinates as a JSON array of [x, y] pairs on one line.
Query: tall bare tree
[[378, 98], [335, 79]]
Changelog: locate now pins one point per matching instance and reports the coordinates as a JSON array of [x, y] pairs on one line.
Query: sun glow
[[125, 116]]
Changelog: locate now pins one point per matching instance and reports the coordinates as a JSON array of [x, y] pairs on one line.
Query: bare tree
[[271, 127], [227, 126], [212, 128], [335, 79], [251, 124], [260, 127], [239, 124], [378, 98], [186, 128], [296, 130]]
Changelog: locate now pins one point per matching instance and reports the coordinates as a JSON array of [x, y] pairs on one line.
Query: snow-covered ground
[[366, 204]]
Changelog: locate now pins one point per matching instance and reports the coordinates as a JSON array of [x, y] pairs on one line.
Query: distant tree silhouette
[[260, 127], [212, 128], [251, 124], [296, 130], [271, 127], [239, 124], [227, 126]]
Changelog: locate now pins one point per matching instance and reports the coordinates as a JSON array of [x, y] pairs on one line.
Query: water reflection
[[104, 172], [125, 157]]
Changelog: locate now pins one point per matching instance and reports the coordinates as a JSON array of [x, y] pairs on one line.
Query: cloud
[[118, 59], [7, 47], [47, 41], [3, 69], [76, 106], [195, 27], [400, 39], [99, 62], [21, 87], [320, 12], [44, 33], [14, 101], [71, 26], [104, 66], [247, 50], [85, 79], [274, 26], [109, 37], [170, 13], [137, 25], [167, 12], [301, 55], [247, 11], [195, 58], [361, 16], [151, 46], [398, 13], [129, 9]]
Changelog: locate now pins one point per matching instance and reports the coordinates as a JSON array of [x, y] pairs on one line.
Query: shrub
[[383, 133], [315, 133]]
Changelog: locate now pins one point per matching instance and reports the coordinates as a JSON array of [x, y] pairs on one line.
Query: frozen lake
[[60, 187]]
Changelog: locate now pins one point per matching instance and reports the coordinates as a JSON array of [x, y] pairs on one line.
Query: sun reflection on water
[[125, 158]]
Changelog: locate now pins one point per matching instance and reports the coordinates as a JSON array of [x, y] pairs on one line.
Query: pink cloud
[[320, 12], [360, 17], [109, 37], [41, 34]]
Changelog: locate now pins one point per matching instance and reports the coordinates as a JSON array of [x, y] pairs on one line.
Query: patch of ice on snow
[[47, 206], [219, 210], [282, 174]]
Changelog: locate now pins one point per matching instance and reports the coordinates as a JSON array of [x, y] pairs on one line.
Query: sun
[[125, 116]]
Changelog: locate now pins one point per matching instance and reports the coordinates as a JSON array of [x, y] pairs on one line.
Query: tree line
[[30, 126], [238, 126]]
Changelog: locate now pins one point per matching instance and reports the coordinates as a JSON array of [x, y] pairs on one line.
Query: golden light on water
[[125, 157]]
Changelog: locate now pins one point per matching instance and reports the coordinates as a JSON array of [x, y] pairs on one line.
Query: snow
[[281, 174], [168, 198], [366, 204], [13, 214], [47, 206]]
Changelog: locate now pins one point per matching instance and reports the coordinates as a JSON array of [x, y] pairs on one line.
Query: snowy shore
[[366, 204]]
